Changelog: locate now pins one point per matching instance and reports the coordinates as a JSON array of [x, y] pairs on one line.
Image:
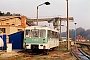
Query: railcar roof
[[41, 27]]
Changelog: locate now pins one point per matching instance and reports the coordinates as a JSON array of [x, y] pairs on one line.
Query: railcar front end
[[35, 39]]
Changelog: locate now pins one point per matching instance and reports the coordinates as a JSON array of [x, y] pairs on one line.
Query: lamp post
[[75, 34], [68, 42], [46, 3]]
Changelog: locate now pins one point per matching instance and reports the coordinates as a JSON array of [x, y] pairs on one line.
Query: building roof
[[8, 17], [28, 22]]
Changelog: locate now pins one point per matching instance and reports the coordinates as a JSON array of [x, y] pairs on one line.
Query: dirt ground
[[52, 56], [60, 54]]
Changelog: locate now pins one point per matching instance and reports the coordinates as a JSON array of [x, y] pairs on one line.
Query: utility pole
[[68, 42], [60, 30]]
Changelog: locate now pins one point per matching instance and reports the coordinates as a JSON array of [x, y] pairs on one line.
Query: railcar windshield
[[38, 33], [34, 33], [42, 33], [27, 33]]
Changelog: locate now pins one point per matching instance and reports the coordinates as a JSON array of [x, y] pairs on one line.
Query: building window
[[20, 30], [7, 22], [13, 24], [3, 30]]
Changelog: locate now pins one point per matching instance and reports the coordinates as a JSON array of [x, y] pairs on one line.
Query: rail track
[[84, 55], [80, 54], [74, 54]]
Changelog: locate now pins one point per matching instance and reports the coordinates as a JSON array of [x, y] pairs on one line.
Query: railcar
[[40, 37]]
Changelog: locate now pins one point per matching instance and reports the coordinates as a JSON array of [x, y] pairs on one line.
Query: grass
[[63, 48]]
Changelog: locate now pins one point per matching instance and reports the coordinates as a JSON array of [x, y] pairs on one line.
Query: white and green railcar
[[38, 37]]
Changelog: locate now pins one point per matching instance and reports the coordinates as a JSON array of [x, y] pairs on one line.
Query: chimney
[[23, 21]]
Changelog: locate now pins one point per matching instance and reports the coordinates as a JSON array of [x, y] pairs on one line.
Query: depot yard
[[59, 54]]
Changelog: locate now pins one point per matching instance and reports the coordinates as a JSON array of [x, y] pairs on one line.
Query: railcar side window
[[53, 34], [35, 33], [42, 33], [27, 33], [56, 35]]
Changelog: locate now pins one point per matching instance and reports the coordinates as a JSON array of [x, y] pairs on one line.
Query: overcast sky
[[79, 9]]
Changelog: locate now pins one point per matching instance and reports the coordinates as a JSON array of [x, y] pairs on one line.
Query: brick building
[[80, 38]]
